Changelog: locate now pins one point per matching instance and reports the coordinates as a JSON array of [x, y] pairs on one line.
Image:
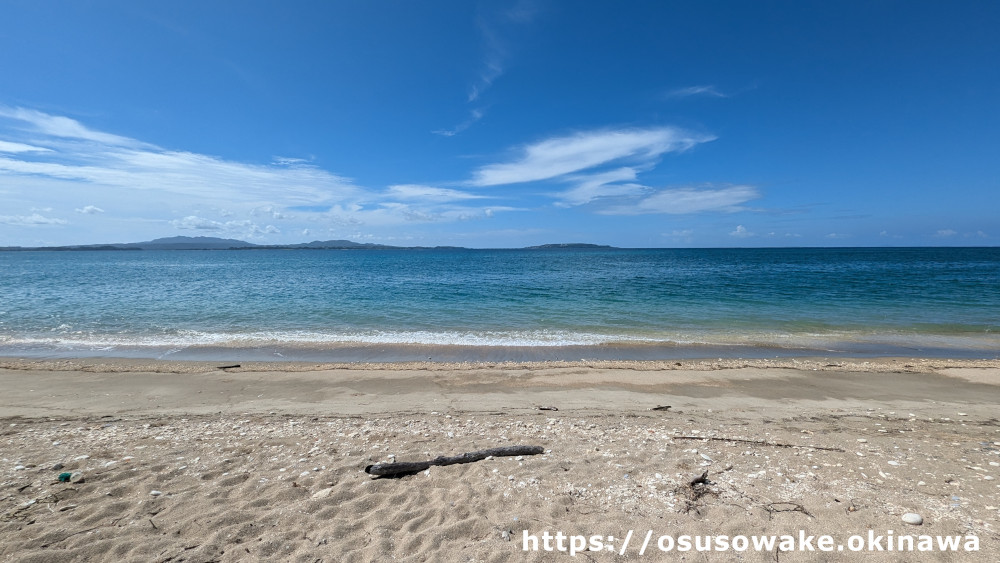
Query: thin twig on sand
[[756, 442]]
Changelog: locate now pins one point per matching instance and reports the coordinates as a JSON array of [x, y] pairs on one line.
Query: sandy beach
[[173, 461]]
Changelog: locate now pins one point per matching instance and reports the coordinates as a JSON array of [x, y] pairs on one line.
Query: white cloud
[[694, 200], [741, 232], [9, 147], [48, 158], [946, 233], [29, 220], [427, 193], [186, 174], [583, 159], [59, 126], [678, 201], [492, 69], [120, 168], [244, 228], [560, 156], [198, 223], [710, 91], [396, 213], [268, 211], [289, 161], [604, 184], [493, 30], [474, 116]]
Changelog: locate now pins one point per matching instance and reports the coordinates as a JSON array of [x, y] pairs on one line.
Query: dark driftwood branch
[[699, 479], [468, 457], [755, 442]]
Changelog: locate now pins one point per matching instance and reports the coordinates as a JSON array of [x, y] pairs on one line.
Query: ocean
[[501, 305]]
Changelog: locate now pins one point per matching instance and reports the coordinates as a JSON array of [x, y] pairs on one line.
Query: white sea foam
[[264, 338], [833, 342]]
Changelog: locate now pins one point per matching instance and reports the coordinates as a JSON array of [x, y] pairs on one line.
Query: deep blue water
[[501, 304]]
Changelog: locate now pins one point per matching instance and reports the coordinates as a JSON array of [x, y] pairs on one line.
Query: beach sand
[[188, 462]]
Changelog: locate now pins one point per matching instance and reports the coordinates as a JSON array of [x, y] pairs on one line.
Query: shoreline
[[929, 346], [879, 364], [183, 460]]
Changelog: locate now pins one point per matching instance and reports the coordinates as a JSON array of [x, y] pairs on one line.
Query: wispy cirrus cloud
[[29, 220], [686, 200], [603, 167], [704, 90], [474, 116], [9, 147], [46, 158], [492, 69], [494, 29], [561, 156], [37, 122], [395, 213], [243, 228], [428, 193], [67, 152], [613, 183]]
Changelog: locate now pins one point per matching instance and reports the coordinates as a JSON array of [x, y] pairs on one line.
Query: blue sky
[[501, 124]]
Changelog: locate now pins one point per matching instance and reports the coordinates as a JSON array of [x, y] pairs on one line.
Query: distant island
[[214, 243]]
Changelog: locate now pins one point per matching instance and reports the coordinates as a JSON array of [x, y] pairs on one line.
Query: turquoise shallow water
[[393, 305]]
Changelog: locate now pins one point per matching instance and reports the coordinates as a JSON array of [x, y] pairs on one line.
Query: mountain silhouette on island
[[214, 243]]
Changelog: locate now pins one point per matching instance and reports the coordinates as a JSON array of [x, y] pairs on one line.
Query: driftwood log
[[468, 457]]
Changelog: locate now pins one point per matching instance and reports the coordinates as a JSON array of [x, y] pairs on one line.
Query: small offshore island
[[214, 243]]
